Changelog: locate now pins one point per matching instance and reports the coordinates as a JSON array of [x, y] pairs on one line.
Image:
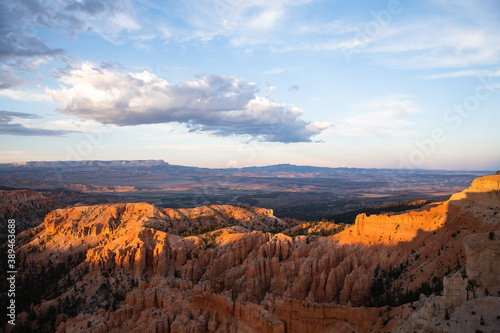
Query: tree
[[471, 286]]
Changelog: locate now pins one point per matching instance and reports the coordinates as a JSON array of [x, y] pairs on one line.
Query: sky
[[233, 83]]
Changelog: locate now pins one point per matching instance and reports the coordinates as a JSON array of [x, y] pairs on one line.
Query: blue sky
[[232, 83]]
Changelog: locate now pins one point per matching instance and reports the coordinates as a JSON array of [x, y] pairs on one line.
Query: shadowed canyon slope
[[139, 267], [27, 207]]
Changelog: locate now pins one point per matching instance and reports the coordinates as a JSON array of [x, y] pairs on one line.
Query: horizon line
[[253, 166]]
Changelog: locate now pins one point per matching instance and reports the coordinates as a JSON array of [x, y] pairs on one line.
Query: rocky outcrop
[[308, 317], [483, 258], [454, 290], [483, 191], [457, 310], [486, 184], [391, 229], [93, 220]]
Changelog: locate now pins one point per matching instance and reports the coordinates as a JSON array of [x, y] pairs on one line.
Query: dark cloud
[[111, 65], [9, 80], [294, 87], [107, 18], [20, 20], [16, 38], [220, 105], [18, 43], [9, 114], [89, 7], [6, 128], [18, 129]]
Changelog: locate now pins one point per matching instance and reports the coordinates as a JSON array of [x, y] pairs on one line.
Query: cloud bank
[[218, 105]]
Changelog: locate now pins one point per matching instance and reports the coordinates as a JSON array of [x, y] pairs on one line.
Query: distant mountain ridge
[[296, 191], [89, 163], [158, 163]]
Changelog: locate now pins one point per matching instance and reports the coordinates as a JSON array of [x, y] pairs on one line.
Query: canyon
[[139, 267]]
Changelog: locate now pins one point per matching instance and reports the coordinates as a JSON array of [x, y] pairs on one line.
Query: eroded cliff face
[[140, 267], [483, 258], [470, 302], [27, 207]]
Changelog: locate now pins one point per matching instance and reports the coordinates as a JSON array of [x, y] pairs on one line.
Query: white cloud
[[277, 70], [266, 19], [270, 89], [25, 95], [216, 104], [65, 125], [460, 35], [384, 116], [464, 73], [242, 22], [439, 41]]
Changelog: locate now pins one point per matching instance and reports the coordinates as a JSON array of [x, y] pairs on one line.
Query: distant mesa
[[94, 163]]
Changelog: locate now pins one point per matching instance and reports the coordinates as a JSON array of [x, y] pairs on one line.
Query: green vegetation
[[384, 293], [240, 206], [471, 287], [202, 230], [34, 287], [211, 239], [321, 228]]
